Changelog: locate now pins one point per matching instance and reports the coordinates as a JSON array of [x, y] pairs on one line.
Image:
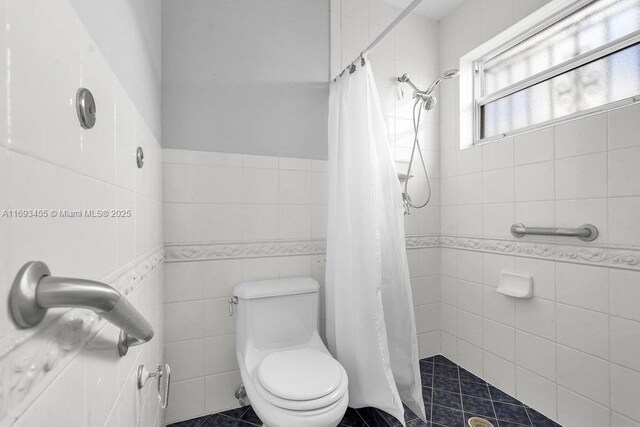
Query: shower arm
[[416, 92], [426, 93], [34, 291]]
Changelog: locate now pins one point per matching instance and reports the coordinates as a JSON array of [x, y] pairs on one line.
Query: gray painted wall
[[246, 76], [128, 34]]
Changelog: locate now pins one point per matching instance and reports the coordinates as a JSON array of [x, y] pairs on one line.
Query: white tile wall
[[412, 48], [272, 199], [227, 197], [570, 351], [48, 162]]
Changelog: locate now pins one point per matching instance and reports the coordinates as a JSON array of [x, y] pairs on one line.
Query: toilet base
[[273, 416], [324, 417]]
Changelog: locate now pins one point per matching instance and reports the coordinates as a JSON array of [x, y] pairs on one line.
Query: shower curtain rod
[[385, 33]]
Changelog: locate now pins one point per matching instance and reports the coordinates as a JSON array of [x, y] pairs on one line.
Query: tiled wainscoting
[[231, 218], [66, 371], [581, 292], [411, 48], [572, 350], [541, 350], [69, 372], [451, 395]]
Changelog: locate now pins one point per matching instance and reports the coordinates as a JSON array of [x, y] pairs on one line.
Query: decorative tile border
[[30, 359], [217, 251], [213, 251], [605, 256]]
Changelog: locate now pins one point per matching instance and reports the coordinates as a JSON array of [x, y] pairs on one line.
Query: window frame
[[471, 85]]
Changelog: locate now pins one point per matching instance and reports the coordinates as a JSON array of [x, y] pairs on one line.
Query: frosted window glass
[[589, 28], [608, 79]]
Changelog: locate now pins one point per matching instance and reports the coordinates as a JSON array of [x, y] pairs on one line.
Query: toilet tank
[[276, 313]]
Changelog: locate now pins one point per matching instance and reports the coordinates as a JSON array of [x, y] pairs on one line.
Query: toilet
[[289, 375]]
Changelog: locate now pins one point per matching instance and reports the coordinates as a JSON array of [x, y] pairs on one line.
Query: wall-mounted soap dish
[[517, 285]]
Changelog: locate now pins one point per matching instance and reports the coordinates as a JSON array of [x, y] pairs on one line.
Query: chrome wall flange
[[86, 108], [25, 311], [125, 341], [516, 230], [590, 237], [139, 157]]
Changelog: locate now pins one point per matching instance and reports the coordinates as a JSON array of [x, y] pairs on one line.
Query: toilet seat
[[301, 379]]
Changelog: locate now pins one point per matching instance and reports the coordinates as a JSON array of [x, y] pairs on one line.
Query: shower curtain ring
[[352, 68], [362, 61]]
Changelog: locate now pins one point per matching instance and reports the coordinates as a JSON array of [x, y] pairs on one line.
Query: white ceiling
[[434, 9]]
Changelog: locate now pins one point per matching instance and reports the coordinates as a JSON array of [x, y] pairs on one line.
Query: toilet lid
[[302, 374]]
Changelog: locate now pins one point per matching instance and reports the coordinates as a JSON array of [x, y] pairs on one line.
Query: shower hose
[[417, 115]]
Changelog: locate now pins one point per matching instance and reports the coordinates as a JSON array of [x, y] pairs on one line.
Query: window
[[580, 59]]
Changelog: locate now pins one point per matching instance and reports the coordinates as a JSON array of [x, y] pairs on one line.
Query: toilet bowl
[[289, 375]]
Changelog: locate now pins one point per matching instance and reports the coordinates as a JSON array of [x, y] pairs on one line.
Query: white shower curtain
[[370, 320]]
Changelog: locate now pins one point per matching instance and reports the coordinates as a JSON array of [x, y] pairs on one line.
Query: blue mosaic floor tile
[[475, 390], [237, 412], [352, 419], [444, 398], [195, 422], [445, 371], [539, 420], [446, 384], [491, 420], [427, 396], [390, 419], [219, 420], [426, 366], [446, 416], [502, 423], [426, 379], [373, 417], [441, 360], [409, 415], [251, 417], [500, 396], [417, 423], [511, 413], [477, 406], [469, 377], [451, 395]]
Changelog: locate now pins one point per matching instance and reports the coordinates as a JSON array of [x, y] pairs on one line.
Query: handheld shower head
[[449, 74], [423, 99]]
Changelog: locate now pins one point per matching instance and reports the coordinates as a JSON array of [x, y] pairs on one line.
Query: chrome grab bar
[[586, 232], [34, 291]]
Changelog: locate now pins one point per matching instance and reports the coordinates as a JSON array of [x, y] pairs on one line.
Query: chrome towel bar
[[586, 232], [34, 291]]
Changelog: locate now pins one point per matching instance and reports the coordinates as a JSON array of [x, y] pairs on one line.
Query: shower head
[[430, 102], [449, 74]]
